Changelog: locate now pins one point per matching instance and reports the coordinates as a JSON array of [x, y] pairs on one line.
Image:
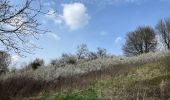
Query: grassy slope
[[141, 82]]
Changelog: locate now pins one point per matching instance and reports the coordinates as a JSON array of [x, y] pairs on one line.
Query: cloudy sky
[[97, 23]]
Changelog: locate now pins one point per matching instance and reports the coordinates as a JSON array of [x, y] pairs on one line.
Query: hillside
[[84, 50], [142, 82], [146, 77]]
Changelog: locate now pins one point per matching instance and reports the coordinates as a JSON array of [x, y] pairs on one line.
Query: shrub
[[66, 59], [69, 59], [26, 83], [20, 86], [36, 63], [5, 60]]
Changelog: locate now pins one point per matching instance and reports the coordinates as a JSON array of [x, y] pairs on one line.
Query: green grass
[[87, 94], [142, 82]]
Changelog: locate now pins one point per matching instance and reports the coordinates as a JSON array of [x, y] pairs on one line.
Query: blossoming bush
[[51, 71], [71, 75]]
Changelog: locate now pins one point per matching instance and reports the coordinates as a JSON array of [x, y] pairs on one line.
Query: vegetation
[[142, 40], [5, 60], [103, 78], [82, 51], [36, 63], [142, 74], [18, 23], [163, 28], [149, 82]]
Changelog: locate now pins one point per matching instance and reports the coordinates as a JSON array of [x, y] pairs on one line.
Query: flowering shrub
[[72, 66], [71, 75]]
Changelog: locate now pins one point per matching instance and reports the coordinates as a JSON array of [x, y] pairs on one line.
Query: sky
[[97, 23]]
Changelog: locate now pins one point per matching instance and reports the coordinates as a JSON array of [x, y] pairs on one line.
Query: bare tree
[[18, 24], [163, 28], [142, 40], [82, 51], [92, 55], [101, 52], [5, 60]]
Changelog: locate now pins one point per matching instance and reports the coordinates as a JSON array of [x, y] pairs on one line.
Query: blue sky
[[97, 23]]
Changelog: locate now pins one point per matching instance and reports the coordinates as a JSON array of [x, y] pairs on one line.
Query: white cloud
[[14, 61], [15, 23], [75, 15], [52, 15], [15, 58], [7, 27], [118, 39], [107, 2], [53, 36]]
